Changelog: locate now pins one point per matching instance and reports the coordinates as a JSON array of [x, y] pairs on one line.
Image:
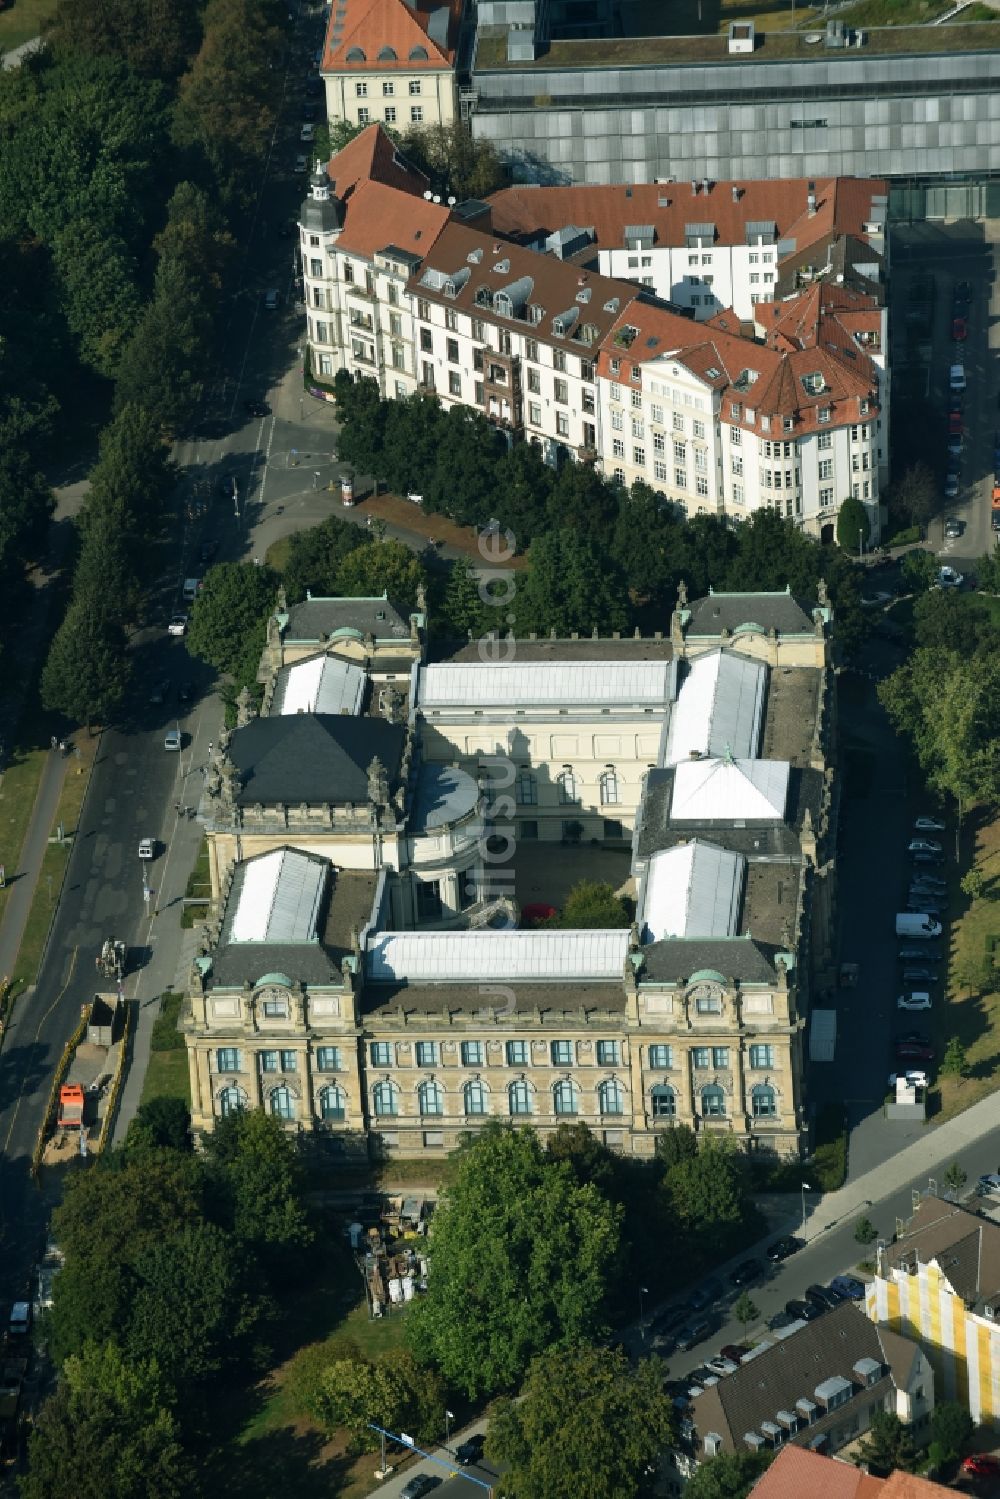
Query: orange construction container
[[70, 1106]]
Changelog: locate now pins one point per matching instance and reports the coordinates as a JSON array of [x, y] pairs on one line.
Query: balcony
[[362, 320], [502, 373]]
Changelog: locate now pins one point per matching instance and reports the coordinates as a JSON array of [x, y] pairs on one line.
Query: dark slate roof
[[316, 619], [313, 757], [966, 1247], [791, 1370], [552, 1000], [443, 795], [757, 841], [675, 959], [728, 611], [314, 963]]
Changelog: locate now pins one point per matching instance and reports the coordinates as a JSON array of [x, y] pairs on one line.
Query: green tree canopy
[[87, 668], [887, 1443], [951, 1427], [521, 1260], [161, 1123], [914, 494], [569, 587], [593, 904], [708, 1191], [262, 1182], [454, 161], [108, 1432], [731, 1475], [378, 567], [919, 570], [315, 556], [155, 37], [555, 1440], [229, 618], [393, 1391]]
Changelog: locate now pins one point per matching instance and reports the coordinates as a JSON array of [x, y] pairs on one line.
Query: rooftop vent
[[502, 267]]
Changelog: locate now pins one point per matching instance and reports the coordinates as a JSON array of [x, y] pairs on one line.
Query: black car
[[419, 1485], [804, 1311], [782, 1248], [780, 1320], [921, 954], [471, 1450], [185, 692], [746, 1273], [963, 294], [159, 692], [925, 857], [693, 1332], [208, 550], [256, 408], [703, 1295], [824, 1298]]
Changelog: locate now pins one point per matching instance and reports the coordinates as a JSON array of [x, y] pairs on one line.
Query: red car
[[982, 1465], [914, 1051], [735, 1352], [959, 329], [954, 424]]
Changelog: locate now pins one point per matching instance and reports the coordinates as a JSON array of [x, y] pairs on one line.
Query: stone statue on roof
[[682, 594], [378, 783], [244, 713]]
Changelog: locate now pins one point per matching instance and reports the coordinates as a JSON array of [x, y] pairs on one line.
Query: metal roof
[[719, 708], [455, 957], [730, 791], [321, 684], [692, 891], [281, 897], [541, 683]]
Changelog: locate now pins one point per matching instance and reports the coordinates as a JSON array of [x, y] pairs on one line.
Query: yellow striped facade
[[962, 1346]]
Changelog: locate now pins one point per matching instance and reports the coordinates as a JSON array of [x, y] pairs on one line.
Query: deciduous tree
[[731, 1475], [951, 1427], [593, 904], [315, 556], [160, 1123], [87, 668], [554, 1441], [853, 525], [378, 567], [262, 1181], [394, 1392], [229, 617]]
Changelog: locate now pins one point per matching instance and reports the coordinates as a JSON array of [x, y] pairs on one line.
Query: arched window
[[527, 788], [386, 54], [333, 1104], [519, 1096], [609, 1096], [355, 54], [385, 1100], [664, 1102], [474, 1097], [564, 1097], [431, 1097], [418, 54], [763, 1101], [610, 796], [713, 1102], [231, 1101], [282, 1103], [566, 781]]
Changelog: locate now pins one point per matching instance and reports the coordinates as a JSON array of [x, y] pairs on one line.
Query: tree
[[919, 570], [263, 1182], [942, 620], [865, 1231], [155, 37], [521, 1261], [955, 1062], [887, 1443], [593, 904], [853, 525], [973, 884], [745, 1310], [956, 1177], [161, 1124], [162, 363], [87, 668], [914, 494], [108, 1426], [382, 567], [315, 556], [708, 1191], [554, 1440], [393, 1392], [677, 1144], [731, 1475], [569, 586], [229, 618], [456, 163], [988, 570], [951, 1428]]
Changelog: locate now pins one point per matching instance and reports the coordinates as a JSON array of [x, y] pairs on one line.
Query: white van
[[191, 590], [917, 924], [956, 377]]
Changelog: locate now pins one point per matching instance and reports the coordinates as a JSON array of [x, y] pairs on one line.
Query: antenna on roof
[[428, 195], [452, 201], [436, 198]]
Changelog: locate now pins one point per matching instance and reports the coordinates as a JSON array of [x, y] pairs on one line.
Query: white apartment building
[[417, 294], [710, 245], [391, 63]]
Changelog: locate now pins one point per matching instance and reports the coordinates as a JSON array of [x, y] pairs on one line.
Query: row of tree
[[599, 556]]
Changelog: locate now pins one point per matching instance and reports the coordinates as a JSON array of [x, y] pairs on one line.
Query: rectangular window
[[587, 373], [559, 360], [390, 114], [701, 1057], [328, 1058], [680, 453], [268, 1061], [451, 350], [824, 441], [737, 494], [825, 498], [380, 1053], [451, 319], [388, 89], [275, 1009], [361, 90], [735, 437], [637, 427], [701, 484], [661, 1057], [517, 1053], [617, 447], [416, 115], [656, 413], [535, 382], [534, 414], [414, 88], [531, 349], [618, 421], [659, 470], [701, 460], [426, 1053], [823, 414], [472, 1053], [680, 479], [639, 457], [825, 468], [616, 390], [398, 357], [659, 443], [608, 1054], [426, 341], [479, 330], [454, 383], [560, 392], [720, 1057], [364, 115], [228, 1059], [561, 1053], [562, 424], [288, 1061], [637, 399]]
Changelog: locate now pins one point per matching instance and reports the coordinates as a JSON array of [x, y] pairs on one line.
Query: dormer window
[[823, 414], [864, 408], [584, 295], [475, 256], [386, 54], [484, 296], [616, 366], [355, 54], [502, 267], [735, 409], [712, 373], [788, 423], [612, 305], [814, 384]]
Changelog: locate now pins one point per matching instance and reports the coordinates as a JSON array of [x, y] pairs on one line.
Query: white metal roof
[[719, 708], [692, 891], [449, 957], [322, 684], [730, 791], [280, 898], [539, 683]]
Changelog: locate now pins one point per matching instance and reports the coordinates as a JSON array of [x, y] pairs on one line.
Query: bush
[[829, 1165], [905, 538], [166, 1036]]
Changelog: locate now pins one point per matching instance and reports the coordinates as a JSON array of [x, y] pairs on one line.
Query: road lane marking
[[38, 1032]]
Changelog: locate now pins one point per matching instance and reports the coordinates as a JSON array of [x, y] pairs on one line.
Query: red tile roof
[[377, 217], [843, 206], [385, 35], [797, 1472], [371, 156]]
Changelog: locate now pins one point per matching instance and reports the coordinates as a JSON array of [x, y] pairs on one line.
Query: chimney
[[694, 187], [705, 185], [736, 193], [811, 199]]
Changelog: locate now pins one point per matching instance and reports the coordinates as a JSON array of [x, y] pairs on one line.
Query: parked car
[[158, 692], [172, 739], [147, 848], [849, 1287], [925, 846], [781, 1320], [735, 1352], [471, 1450], [693, 1332], [988, 1185], [914, 1051], [804, 1311], [922, 905], [914, 1075], [955, 424], [950, 488], [307, 133], [919, 999], [418, 1486], [178, 624], [981, 1465], [702, 1296], [746, 1272], [301, 162], [271, 298], [923, 880], [927, 824], [952, 527], [721, 1366], [824, 1299], [959, 329], [782, 1248], [919, 976], [185, 692], [949, 578], [963, 293], [927, 859]]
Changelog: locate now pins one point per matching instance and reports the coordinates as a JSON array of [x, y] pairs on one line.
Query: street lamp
[[449, 1416], [805, 1188], [861, 542], [643, 1291]]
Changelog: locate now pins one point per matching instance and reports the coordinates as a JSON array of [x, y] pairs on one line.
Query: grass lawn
[[167, 1075], [199, 883], [276, 555], [18, 790], [22, 21]]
